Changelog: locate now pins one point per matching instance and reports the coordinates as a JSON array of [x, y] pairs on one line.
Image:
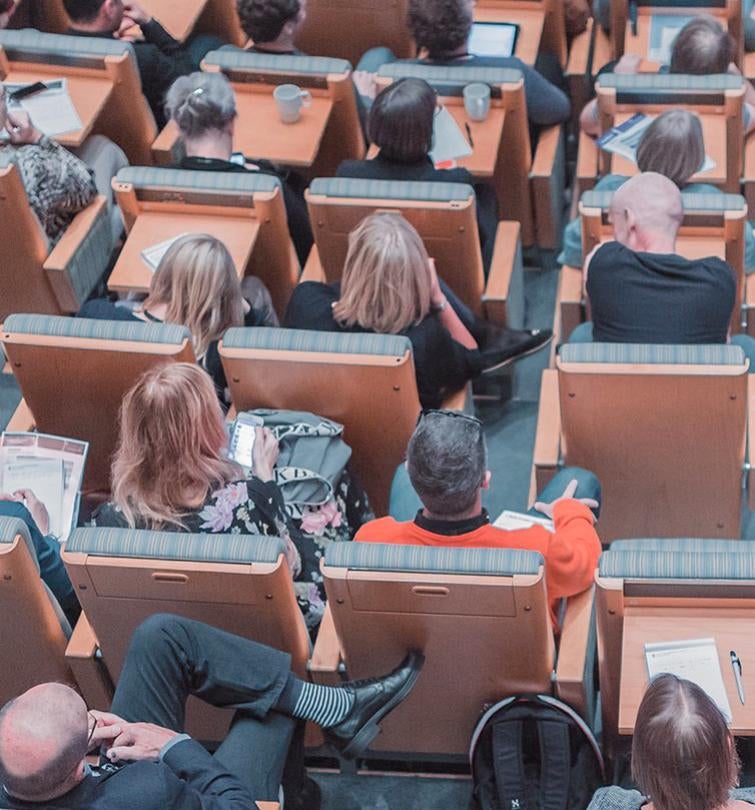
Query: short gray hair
[[201, 102], [447, 461], [673, 146]]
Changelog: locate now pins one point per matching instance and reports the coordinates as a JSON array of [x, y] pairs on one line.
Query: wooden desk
[[88, 94], [530, 22], [732, 628], [177, 18], [486, 137], [268, 805], [131, 274]]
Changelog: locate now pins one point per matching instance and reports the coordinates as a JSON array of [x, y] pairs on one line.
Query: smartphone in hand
[[243, 436]]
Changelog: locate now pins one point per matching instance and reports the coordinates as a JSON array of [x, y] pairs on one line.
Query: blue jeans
[[583, 334]]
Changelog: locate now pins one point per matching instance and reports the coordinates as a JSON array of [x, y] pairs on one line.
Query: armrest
[[749, 303], [751, 441], [82, 655], [325, 664], [548, 183], [168, 148], [22, 419], [503, 299], [578, 70], [545, 457], [78, 262], [313, 267], [575, 683], [588, 156], [570, 300]]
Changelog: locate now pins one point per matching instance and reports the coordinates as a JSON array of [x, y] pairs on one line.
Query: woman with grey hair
[[672, 146], [203, 106]]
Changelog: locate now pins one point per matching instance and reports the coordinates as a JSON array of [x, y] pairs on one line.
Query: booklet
[[152, 256], [52, 467], [623, 139], [695, 660], [449, 142], [514, 521], [51, 110], [664, 29]]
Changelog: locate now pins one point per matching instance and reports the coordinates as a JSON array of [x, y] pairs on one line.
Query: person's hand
[[365, 83], [20, 129], [107, 727], [733, 69], [571, 488], [264, 453], [629, 63], [36, 508], [139, 742], [135, 14], [437, 299]]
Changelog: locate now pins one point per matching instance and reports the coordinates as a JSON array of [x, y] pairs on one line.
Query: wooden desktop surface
[[530, 22], [732, 628], [88, 94], [177, 17], [132, 274], [260, 133]]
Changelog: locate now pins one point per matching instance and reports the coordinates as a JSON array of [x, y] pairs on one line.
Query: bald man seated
[[147, 762], [641, 290]]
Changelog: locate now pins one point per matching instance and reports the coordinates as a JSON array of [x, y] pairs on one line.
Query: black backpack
[[534, 753]]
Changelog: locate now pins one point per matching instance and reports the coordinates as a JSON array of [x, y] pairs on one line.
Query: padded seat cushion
[[653, 564], [144, 177], [652, 354], [237, 59], [33, 42], [696, 544], [354, 187], [12, 527], [458, 76], [691, 202], [426, 559], [59, 326], [305, 340], [135, 543], [673, 83]]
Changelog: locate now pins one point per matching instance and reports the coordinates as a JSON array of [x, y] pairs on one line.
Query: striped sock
[[325, 705]]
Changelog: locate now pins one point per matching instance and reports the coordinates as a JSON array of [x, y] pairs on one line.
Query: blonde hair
[[672, 146], [385, 286], [171, 450], [197, 282]]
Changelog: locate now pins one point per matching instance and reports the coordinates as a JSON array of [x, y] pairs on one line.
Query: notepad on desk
[[449, 143], [51, 111], [694, 660], [152, 256]]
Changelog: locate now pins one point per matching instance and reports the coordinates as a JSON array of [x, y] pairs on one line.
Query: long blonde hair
[[197, 282], [170, 454], [385, 285]]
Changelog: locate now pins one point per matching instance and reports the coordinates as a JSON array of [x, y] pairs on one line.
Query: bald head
[[646, 213], [43, 737]]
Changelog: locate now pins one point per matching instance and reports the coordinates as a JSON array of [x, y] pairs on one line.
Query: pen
[[736, 665], [469, 134]]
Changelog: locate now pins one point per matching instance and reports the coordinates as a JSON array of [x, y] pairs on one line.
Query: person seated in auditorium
[[702, 48], [447, 465], [58, 184], [7, 7], [400, 124], [642, 291], [672, 146], [146, 758], [161, 58], [203, 106], [683, 754], [390, 286], [196, 285], [441, 30], [24, 505], [171, 472], [272, 25]]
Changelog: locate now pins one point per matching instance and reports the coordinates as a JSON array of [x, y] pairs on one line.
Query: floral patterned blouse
[[256, 507]]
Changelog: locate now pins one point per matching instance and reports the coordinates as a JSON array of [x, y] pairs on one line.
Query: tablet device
[[493, 38]]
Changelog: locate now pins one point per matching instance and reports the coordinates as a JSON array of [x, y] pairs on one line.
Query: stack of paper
[[51, 111], [449, 142], [152, 256], [515, 521]]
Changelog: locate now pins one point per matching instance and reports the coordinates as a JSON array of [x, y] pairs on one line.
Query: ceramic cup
[[289, 99], [477, 101]]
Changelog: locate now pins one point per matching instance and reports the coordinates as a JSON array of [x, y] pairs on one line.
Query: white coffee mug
[[289, 100], [477, 101]]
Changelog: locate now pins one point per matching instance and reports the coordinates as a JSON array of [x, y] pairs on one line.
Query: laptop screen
[[493, 39]]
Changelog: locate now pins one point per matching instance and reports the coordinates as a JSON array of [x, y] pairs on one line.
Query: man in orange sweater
[[447, 465]]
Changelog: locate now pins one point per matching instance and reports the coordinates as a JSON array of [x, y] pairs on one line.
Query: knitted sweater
[[616, 798]]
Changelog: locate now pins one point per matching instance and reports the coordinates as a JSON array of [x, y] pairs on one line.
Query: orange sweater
[[570, 553]]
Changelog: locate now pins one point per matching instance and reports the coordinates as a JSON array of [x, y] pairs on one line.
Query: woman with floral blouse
[[171, 472]]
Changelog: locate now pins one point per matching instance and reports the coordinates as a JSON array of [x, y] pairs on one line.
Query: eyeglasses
[[94, 726], [453, 414]]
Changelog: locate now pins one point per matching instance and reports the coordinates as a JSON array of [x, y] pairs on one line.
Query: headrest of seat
[[652, 354], [652, 564], [237, 59], [691, 202], [59, 326], [211, 548], [304, 340], [450, 81], [670, 82], [12, 527], [60, 48], [694, 544], [428, 559], [144, 177], [350, 187]]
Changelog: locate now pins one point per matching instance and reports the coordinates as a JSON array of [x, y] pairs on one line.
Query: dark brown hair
[[702, 48], [683, 755], [401, 120], [263, 20], [440, 26]]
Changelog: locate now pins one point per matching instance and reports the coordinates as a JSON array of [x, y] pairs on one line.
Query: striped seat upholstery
[[146, 177], [58, 326], [450, 81], [654, 564], [418, 559], [692, 203], [671, 84], [32, 45], [10, 528], [349, 188], [304, 340], [89, 262], [652, 354], [694, 544], [213, 548], [235, 59]]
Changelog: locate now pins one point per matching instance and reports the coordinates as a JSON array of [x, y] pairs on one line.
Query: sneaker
[[511, 345]]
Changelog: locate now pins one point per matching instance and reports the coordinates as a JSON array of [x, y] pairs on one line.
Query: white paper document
[[449, 142], [51, 111], [515, 521], [44, 477], [664, 29], [694, 660], [152, 256]]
